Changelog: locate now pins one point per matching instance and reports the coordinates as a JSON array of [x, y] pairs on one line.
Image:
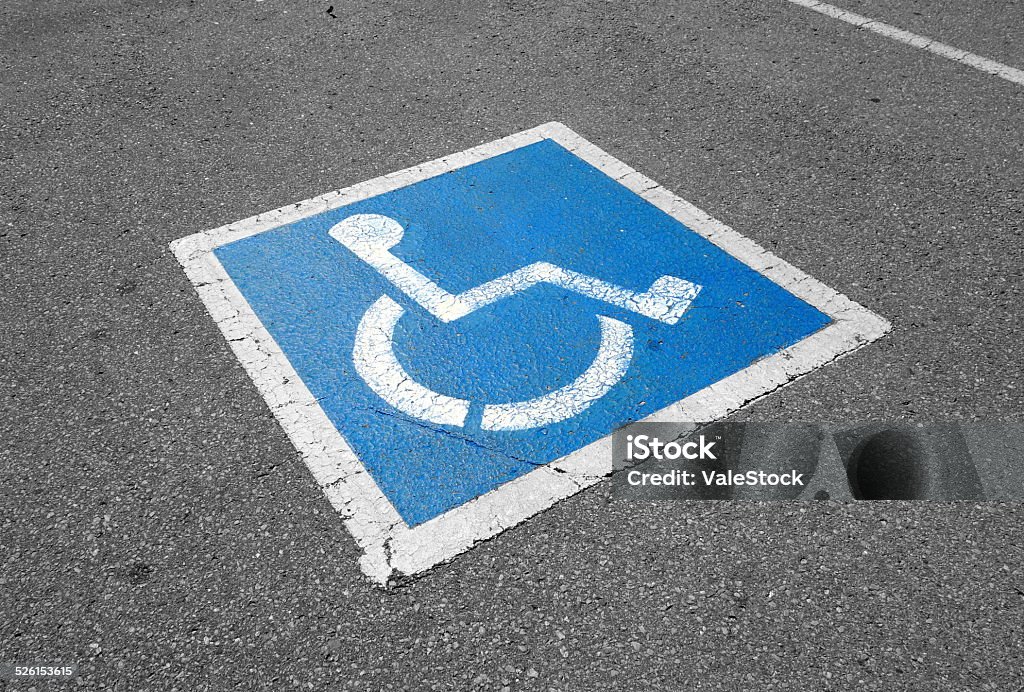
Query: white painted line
[[1010, 74], [390, 546]]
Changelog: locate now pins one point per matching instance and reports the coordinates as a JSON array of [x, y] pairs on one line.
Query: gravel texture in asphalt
[[158, 528]]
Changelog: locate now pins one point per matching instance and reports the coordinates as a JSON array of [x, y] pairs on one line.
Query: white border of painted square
[[389, 546]]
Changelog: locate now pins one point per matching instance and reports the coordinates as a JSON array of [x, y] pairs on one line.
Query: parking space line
[[414, 495], [1010, 74]]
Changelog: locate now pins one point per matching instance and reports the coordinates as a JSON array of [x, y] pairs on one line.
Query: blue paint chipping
[[466, 227]]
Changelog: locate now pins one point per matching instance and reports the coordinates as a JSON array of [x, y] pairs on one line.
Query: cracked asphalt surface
[[159, 530]]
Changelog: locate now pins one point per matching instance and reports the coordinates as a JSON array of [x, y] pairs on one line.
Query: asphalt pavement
[[158, 528]]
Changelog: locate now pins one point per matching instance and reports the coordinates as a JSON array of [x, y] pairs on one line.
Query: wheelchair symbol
[[371, 236]]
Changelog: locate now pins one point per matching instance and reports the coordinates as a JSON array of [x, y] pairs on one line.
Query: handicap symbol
[[371, 236]]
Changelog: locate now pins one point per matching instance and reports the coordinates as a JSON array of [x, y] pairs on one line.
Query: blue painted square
[[467, 227]]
